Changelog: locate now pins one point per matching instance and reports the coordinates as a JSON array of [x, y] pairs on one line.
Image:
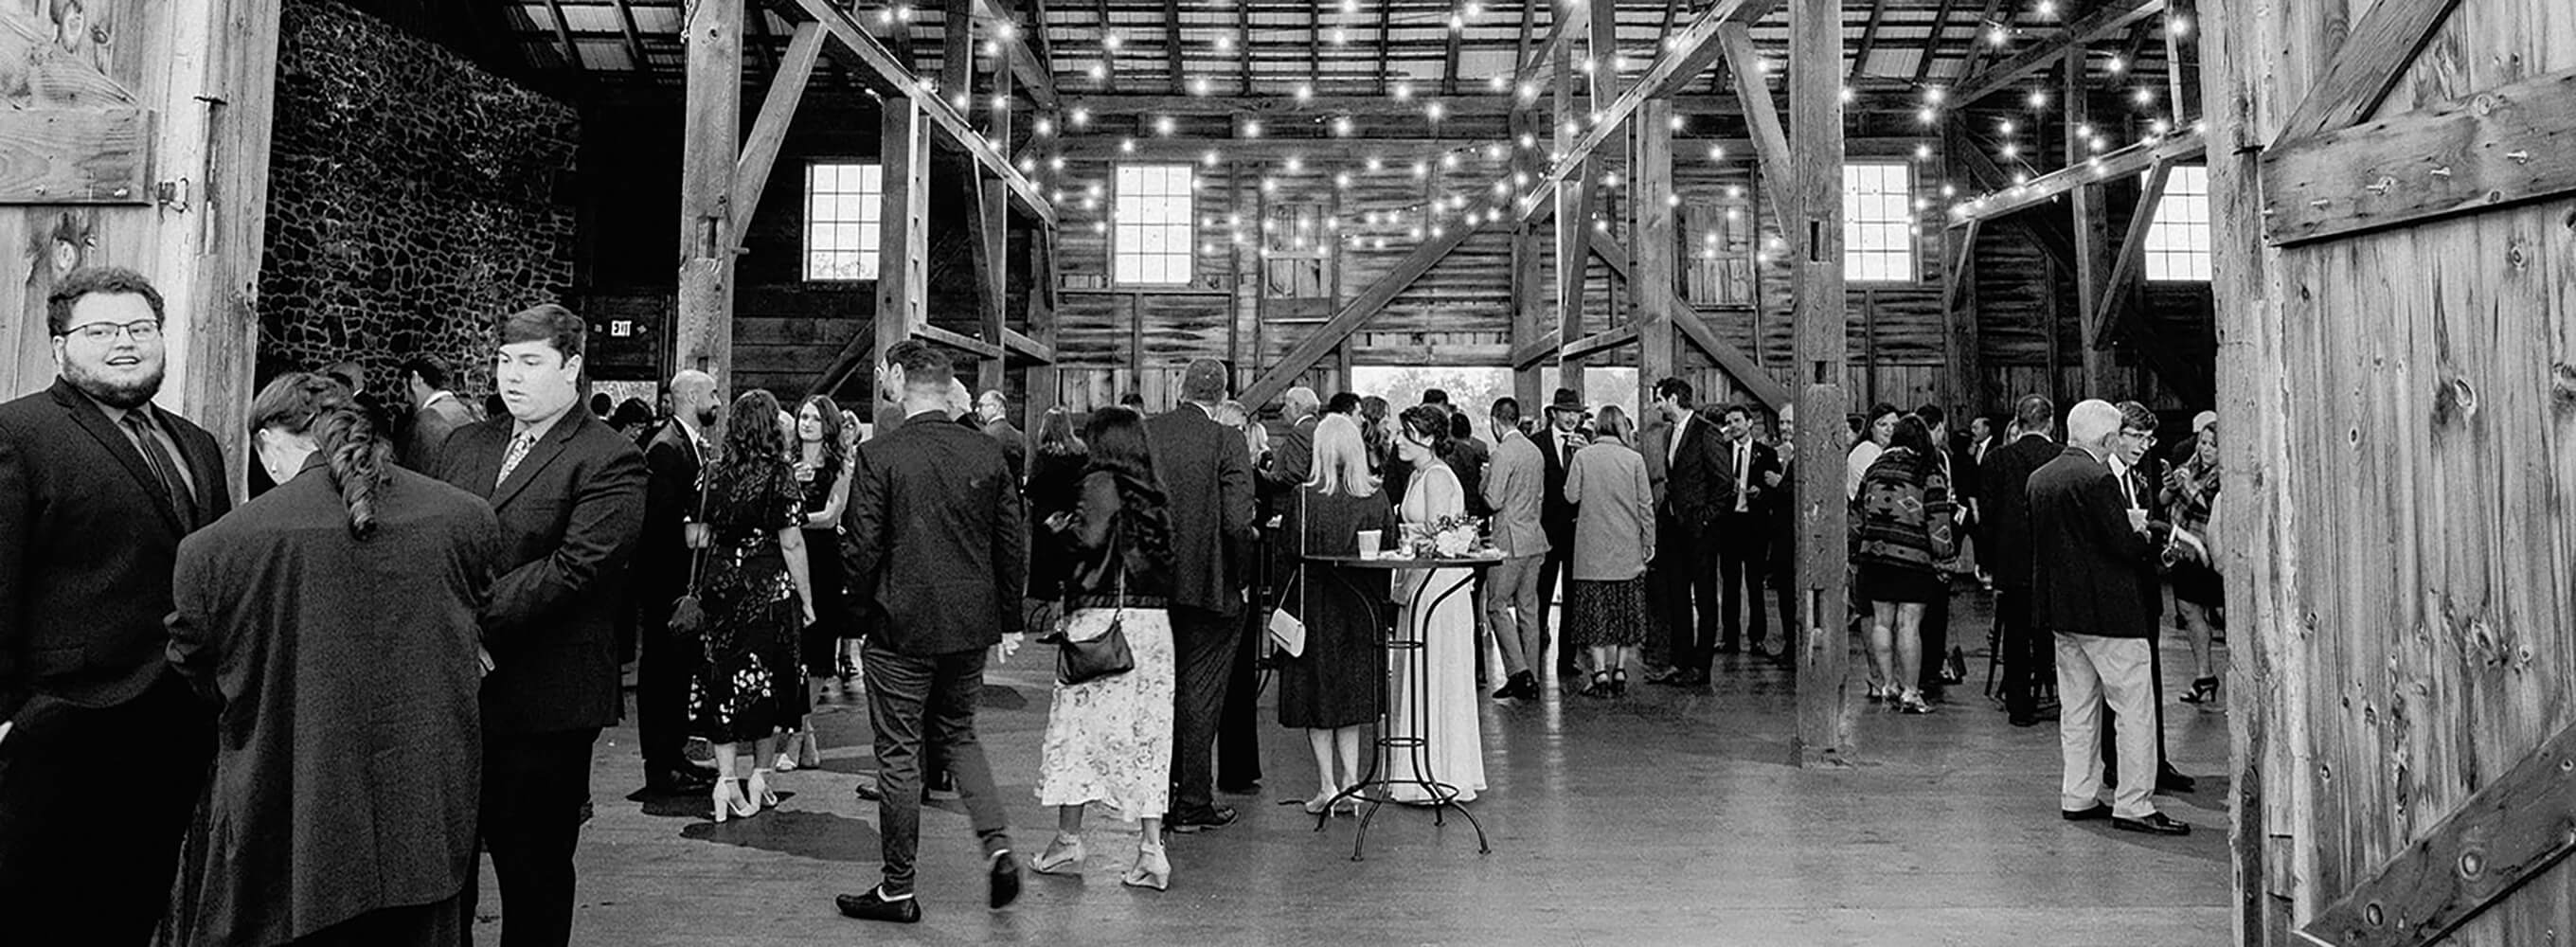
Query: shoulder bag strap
[[698, 556]]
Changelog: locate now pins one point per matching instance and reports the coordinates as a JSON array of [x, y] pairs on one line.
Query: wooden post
[[704, 339], [1816, 238], [1573, 223], [218, 111], [2092, 236], [1528, 274], [903, 255], [1044, 380], [1651, 264], [993, 232]]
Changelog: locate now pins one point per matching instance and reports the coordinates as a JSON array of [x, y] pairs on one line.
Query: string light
[[1296, 164], [1251, 128], [1208, 157], [1403, 91], [2038, 98], [1163, 125], [1097, 72], [1045, 127], [1110, 42], [1717, 152], [1224, 42], [1342, 126], [1305, 93], [1199, 86], [2145, 96], [1434, 111]]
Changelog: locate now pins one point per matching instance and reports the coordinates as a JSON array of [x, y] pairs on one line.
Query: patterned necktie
[[510, 458], [163, 467]]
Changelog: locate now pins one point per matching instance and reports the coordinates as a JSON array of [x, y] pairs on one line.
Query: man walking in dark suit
[[1556, 513], [569, 492], [435, 412], [2027, 655], [2098, 558], [1207, 475], [1685, 456], [673, 459], [1742, 538], [938, 543], [97, 487]]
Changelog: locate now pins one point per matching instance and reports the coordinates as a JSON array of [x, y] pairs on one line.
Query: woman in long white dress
[[1455, 747]]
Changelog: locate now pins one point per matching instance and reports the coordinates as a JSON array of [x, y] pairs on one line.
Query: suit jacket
[[1207, 476], [570, 515], [2005, 541], [1765, 460], [87, 541], [431, 425], [1514, 483], [672, 463], [1468, 458], [1292, 459], [1555, 513], [1696, 477], [2094, 567], [938, 542], [1015, 446]]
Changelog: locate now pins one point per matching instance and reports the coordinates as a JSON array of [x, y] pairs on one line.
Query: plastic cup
[[1371, 543]]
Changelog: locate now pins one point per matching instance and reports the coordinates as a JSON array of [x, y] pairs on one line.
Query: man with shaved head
[[673, 457], [993, 417]]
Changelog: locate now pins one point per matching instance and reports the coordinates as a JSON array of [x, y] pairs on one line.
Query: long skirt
[[1602, 614], [1109, 740]]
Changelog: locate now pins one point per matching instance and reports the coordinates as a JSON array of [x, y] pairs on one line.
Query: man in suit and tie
[[1742, 540], [1515, 607], [435, 412], [938, 543], [1782, 509], [2099, 559], [1207, 475], [2028, 655], [97, 487], [673, 460], [1564, 436], [1684, 459], [992, 414], [570, 493]]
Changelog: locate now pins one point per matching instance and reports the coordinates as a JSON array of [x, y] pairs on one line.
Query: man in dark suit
[[97, 487], [673, 458], [435, 412], [993, 417], [2098, 559], [569, 492], [1556, 446], [1292, 460], [1781, 507], [2028, 656], [1684, 457], [1742, 537], [1207, 475], [938, 544]]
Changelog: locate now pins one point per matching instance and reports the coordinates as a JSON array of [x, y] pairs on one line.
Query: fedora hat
[[1566, 400]]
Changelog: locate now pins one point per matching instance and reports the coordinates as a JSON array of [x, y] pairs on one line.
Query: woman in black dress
[[822, 468], [1332, 689], [757, 596], [1055, 486]]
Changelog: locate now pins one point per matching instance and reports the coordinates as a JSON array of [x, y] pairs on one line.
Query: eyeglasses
[[140, 330], [2135, 434]]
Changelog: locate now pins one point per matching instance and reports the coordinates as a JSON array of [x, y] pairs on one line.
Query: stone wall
[[411, 201]]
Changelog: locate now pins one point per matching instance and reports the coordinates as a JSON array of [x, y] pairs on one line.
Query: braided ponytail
[[320, 407]]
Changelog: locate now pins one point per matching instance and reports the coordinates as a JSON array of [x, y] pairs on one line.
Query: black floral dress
[[748, 645]]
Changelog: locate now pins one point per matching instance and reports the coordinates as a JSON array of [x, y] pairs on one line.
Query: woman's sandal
[[1062, 856], [1153, 869]]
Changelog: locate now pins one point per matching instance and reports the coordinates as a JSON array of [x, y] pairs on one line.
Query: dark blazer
[[1467, 458], [87, 539], [570, 515], [1015, 446], [1765, 460], [2094, 566], [672, 462], [431, 425], [1207, 475], [2004, 538], [1555, 512], [1292, 459], [937, 539], [346, 673], [1698, 477]]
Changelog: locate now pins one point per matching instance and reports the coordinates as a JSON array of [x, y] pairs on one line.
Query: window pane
[[1878, 222]]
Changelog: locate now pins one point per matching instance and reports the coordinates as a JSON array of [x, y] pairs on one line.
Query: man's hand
[[1773, 476], [484, 658], [1009, 645]]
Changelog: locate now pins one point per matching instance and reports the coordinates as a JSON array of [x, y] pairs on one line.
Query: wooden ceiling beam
[[634, 37], [1869, 37], [1932, 42], [1762, 117], [1448, 57], [2367, 67], [1172, 43], [1355, 106], [2109, 18], [1696, 49], [1386, 43], [1978, 48], [563, 34], [1030, 69], [2102, 168]]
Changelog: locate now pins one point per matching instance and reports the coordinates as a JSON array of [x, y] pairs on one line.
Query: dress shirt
[[1743, 473], [169, 445]]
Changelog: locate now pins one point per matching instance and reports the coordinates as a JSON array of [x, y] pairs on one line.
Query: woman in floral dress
[[757, 596]]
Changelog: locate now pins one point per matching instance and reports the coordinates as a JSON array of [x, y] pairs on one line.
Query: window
[[2178, 239], [1152, 210], [1878, 222], [843, 204]]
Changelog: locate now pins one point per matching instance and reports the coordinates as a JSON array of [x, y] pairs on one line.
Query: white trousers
[[2090, 670]]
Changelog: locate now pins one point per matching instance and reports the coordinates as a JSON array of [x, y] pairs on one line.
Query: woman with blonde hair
[[1330, 690], [1614, 538]]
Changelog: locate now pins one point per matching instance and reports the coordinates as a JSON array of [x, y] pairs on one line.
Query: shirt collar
[[537, 431], [115, 415]]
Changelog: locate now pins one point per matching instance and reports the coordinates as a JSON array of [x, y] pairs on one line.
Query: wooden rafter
[[1677, 63], [1475, 105], [769, 131], [1761, 116], [563, 34], [2504, 145], [2368, 66], [1172, 43], [1664, 28], [2105, 20], [1448, 56], [1386, 44], [1243, 33], [1978, 48], [2131, 257], [634, 37], [755, 38], [1108, 57], [1932, 42], [2119, 163], [1869, 37], [1030, 68], [2050, 233]]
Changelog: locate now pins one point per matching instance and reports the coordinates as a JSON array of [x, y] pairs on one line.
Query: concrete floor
[[1668, 817]]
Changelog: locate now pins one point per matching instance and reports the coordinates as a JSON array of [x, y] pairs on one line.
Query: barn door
[[2397, 305]]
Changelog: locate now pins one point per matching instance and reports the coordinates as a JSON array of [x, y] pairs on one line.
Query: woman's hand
[[807, 602]]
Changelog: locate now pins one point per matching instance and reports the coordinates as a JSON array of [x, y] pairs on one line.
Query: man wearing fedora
[[1564, 436]]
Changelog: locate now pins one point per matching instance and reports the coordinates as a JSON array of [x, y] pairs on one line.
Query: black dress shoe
[[1215, 817], [2170, 780], [679, 782], [872, 906], [2099, 810], [1521, 686], [2153, 823], [1004, 878]]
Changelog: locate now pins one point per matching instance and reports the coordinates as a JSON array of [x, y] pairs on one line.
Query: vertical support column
[[704, 336], [903, 255], [1528, 268], [1044, 382], [1816, 240], [1573, 223], [993, 232], [217, 115], [1651, 263], [2092, 235]]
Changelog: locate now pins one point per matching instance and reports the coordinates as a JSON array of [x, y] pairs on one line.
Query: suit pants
[[2028, 657], [661, 688], [95, 852], [1514, 609], [1743, 539], [1238, 730], [926, 704], [1934, 634], [1784, 581], [534, 785], [1560, 553], [2093, 670], [1690, 566], [1206, 642], [437, 924]]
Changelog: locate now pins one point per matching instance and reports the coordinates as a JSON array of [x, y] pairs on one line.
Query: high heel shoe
[[1619, 682], [1062, 856], [1322, 802], [756, 792], [809, 754], [728, 799], [784, 762], [1152, 870], [2203, 690], [1600, 686]]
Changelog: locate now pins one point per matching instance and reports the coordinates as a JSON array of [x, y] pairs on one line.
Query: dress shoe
[[1521, 686], [2099, 810], [1003, 876], [1215, 817], [2170, 780], [2153, 823], [874, 906], [679, 782]]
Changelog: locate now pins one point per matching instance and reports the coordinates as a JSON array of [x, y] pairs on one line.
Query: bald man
[[993, 416], [673, 457]]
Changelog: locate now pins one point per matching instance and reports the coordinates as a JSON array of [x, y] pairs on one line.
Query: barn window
[[1152, 244], [1878, 222], [843, 203], [2178, 239]]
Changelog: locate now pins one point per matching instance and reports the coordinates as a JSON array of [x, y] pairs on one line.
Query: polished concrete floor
[[1667, 817]]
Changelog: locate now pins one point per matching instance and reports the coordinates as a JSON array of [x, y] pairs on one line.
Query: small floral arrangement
[[1449, 537]]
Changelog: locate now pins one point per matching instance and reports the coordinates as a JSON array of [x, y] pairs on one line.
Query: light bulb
[[1251, 128], [1342, 125], [1208, 157], [1374, 165], [1163, 125], [1296, 164], [1110, 42]]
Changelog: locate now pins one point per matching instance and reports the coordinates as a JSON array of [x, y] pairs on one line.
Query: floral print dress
[[748, 644]]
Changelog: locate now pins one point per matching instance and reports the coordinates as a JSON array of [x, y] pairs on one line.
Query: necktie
[[510, 458], [1743, 472], [1567, 448], [163, 467]]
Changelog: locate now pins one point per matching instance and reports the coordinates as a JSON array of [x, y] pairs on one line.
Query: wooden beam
[[769, 131], [563, 34], [876, 67], [634, 37], [1681, 59], [1574, 210], [1601, 342], [1960, 343], [1045, 384], [2125, 162], [991, 247], [1448, 53], [1932, 42], [1395, 152], [2108, 18], [2374, 56], [2503, 836], [75, 156], [903, 227], [1761, 116], [1464, 105], [1020, 344], [1172, 44], [1029, 69], [1869, 39], [2506, 145], [958, 340], [1386, 43], [957, 51], [1353, 315], [2131, 259], [1650, 289], [2092, 236], [703, 338], [1539, 348], [1824, 714]]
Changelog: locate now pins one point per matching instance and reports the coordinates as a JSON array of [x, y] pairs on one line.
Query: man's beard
[[114, 395], [707, 415]]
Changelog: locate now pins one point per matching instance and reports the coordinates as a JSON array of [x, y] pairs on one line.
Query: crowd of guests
[[763, 559]]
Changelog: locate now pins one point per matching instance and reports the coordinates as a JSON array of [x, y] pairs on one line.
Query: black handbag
[[688, 615], [1106, 655]]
